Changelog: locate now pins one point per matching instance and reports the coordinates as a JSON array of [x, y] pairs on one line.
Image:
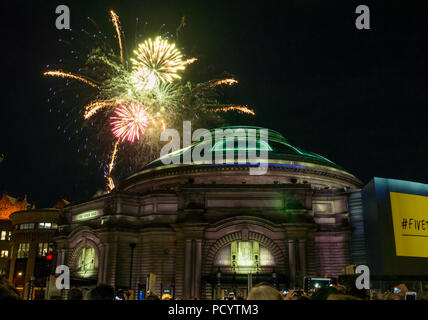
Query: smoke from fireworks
[[138, 97]]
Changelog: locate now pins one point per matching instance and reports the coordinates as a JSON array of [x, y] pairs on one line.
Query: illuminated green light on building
[[279, 153], [239, 144], [86, 215], [87, 262], [245, 254]]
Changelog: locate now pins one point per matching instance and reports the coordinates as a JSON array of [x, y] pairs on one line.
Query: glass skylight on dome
[[240, 144]]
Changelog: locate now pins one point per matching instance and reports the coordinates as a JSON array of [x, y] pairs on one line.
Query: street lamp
[[218, 275], [132, 246], [30, 291], [274, 277], [218, 282]]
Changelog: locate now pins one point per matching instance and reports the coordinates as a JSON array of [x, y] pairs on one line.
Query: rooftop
[[280, 153]]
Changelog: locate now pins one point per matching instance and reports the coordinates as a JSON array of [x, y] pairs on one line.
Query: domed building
[[208, 229]]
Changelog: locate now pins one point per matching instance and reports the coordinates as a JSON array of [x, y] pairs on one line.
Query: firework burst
[[157, 61], [129, 122], [138, 97]]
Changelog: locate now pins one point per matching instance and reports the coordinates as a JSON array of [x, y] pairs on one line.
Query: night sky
[[357, 97]]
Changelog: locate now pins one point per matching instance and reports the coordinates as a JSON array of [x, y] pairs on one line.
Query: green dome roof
[[276, 146]]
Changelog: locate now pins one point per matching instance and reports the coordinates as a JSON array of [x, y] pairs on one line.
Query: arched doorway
[[237, 262], [240, 263]]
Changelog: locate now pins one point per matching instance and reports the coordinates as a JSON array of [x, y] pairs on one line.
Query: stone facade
[[179, 228], [201, 229], [32, 241]]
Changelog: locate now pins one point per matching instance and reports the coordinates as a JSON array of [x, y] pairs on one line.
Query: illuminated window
[[3, 235], [44, 249], [27, 226], [266, 257], [86, 261], [45, 225], [240, 143], [245, 254], [223, 257], [4, 254], [23, 250], [244, 257]]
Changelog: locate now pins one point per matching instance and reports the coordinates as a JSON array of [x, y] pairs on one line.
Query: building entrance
[[232, 293], [235, 286]]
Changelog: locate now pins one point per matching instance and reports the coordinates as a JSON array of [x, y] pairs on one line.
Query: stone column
[[12, 262], [103, 271], [197, 272], [302, 256], [109, 262], [29, 272], [292, 262], [187, 268], [118, 205], [101, 264], [61, 257]]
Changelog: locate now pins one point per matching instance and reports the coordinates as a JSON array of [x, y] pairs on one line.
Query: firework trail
[[116, 23], [240, 109], [94, 107], [61, 74], [110, 182], [189, 61], [228, 82]]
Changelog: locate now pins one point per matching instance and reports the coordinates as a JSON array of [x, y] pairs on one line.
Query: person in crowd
[[292, 296], [102, 292], [393, 296], [342, 297], [7, 291], [324, 293], [264, 291], [151, 296], [390, 295], [76, 294], [340, 288], [301, 298], [403, 288]]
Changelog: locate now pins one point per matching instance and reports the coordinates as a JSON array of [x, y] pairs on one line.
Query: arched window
[[86, 263], [244, 257]]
